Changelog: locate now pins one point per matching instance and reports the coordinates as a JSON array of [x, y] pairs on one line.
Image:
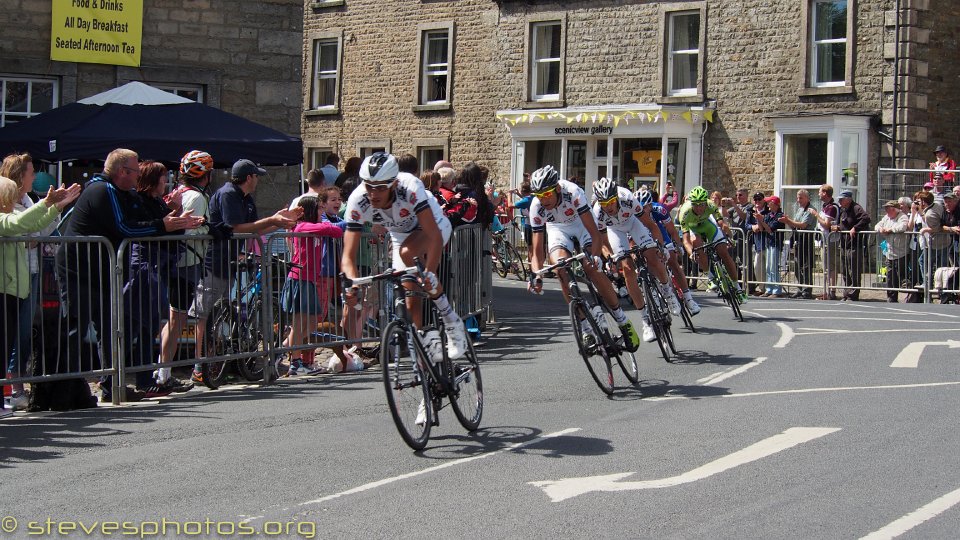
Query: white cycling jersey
[[573, 203], [401, 217], [628, 210]]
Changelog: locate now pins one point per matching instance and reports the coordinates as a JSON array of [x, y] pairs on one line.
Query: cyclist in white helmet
[[417, 227], [559, 212], [622, 218]]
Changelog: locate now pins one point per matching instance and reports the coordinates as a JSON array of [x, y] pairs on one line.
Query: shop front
[[636, 145]]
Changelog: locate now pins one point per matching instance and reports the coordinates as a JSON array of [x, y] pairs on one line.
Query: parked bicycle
[[415, 386], [588, 311], [655, 304], [236, 323], [725, 285], [508, 258]]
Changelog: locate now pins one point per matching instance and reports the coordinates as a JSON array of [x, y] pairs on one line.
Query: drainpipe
[[896, 84]]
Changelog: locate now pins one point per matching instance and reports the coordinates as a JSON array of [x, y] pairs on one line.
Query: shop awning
[[608, 114]]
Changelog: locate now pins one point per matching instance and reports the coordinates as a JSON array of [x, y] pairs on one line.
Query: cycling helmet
[[543, 179], [698, 195], [605, 189], [644, 197], [379, 168], [196, 163]]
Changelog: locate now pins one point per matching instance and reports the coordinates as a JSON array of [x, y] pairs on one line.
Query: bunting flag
[[688, 116], [708, 114], [691, 115]]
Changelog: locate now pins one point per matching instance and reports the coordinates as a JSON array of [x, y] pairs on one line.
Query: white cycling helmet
[[379, 168], [543, 179], [604, 189], [644, 197]]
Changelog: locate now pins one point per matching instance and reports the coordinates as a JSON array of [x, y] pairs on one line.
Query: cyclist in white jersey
[[417, 227], [560, 213], [622, 218]]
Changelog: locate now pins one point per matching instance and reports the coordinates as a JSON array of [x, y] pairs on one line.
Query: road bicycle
[[416, 386], [508, 258], [726, 286], [236, 323], [656, 304], [589, 311]]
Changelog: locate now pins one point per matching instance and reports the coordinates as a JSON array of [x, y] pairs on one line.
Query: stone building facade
[[242, 56], [772, 95]]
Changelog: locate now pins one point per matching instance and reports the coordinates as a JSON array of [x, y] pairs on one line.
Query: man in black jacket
[[109, 207], [853, 219]]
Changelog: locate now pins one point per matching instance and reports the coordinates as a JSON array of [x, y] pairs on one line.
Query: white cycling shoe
[[456, 340], [692, 306], [433, 346], [672, 302], [421, 414], [647, 333]]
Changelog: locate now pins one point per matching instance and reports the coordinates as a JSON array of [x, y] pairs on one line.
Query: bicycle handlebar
[[711, 244], [564, 262]]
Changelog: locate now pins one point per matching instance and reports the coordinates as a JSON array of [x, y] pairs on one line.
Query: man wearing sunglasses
[[621, 216], [399, 202], [560, 213], [699, 226]]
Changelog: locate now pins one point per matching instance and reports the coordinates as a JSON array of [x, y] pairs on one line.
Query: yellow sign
[[97, 31]]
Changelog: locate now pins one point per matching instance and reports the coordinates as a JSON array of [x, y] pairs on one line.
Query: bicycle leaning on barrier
[[416, 383]]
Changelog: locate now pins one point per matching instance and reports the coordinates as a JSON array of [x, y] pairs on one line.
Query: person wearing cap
[[853, 219], [802, 243], [942, 169], [766, 227], [232, 211], [891, 229]]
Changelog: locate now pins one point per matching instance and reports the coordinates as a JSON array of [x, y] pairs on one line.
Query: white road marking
[[754, 313], [724, 375], [385, 481], [560, 490], [909, 357], [812, 331], [786, 334], [808, 391], [918, 516]]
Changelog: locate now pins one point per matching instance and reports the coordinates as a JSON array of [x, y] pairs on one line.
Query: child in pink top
[[300, 292]]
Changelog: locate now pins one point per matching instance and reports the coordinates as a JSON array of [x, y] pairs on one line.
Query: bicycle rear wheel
[[616, 345], [407, 395], [467, 397], [221, 339], [502, 263], [596, 357], [516, 263], [251, 368]]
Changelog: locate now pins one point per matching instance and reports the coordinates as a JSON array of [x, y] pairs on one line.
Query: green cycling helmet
[[698, 194]]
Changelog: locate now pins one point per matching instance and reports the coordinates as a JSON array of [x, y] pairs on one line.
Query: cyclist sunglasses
[[379, 186], [608, 201], [544, 193]]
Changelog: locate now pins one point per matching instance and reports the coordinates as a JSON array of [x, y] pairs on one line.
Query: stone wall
[[245, 53]]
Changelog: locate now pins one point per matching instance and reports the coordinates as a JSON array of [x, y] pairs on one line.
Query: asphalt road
[[808, 420]]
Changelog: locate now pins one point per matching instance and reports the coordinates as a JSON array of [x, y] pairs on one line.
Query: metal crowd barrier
[[61, 327]]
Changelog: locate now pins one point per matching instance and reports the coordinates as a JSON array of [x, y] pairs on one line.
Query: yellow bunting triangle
[[708, 114], [688, 116]]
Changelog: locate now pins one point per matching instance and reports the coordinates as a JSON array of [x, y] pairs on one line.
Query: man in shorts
[[232, 210], [560, 215], [700, 227], [418, 229]]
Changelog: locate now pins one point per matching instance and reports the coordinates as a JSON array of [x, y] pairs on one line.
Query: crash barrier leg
[[65, 284]]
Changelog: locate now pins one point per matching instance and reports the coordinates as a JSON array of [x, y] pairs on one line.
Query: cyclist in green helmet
[[699, 225]]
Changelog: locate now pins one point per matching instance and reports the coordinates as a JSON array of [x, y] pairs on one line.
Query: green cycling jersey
[[690, 221]]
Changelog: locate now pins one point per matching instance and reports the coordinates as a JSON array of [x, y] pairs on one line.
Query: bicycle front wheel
[[251, 368], [729, 291], [659, 318], [502, 263], [516, 263], [595, 355], [407, 396], [467, 397], [221, 339]]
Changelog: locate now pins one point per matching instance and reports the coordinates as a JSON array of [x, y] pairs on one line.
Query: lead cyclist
[[698, 224]]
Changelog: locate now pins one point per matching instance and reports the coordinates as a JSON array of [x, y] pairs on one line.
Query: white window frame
[[835, 127], [429, 34], [316, 74], [4, 79], [814, 45], [536, 60], [368, 147], [673, 53], [180, 89], [318, 156]]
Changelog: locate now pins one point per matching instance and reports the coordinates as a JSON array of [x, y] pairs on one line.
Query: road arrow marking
[[560, 490], [786, 334], [918, 516], [909, 357]]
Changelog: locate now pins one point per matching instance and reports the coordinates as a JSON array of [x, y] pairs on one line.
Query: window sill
[[320, 4], [321, 112], [826, 91], [551, 104], [433, 107], [692, 98]]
